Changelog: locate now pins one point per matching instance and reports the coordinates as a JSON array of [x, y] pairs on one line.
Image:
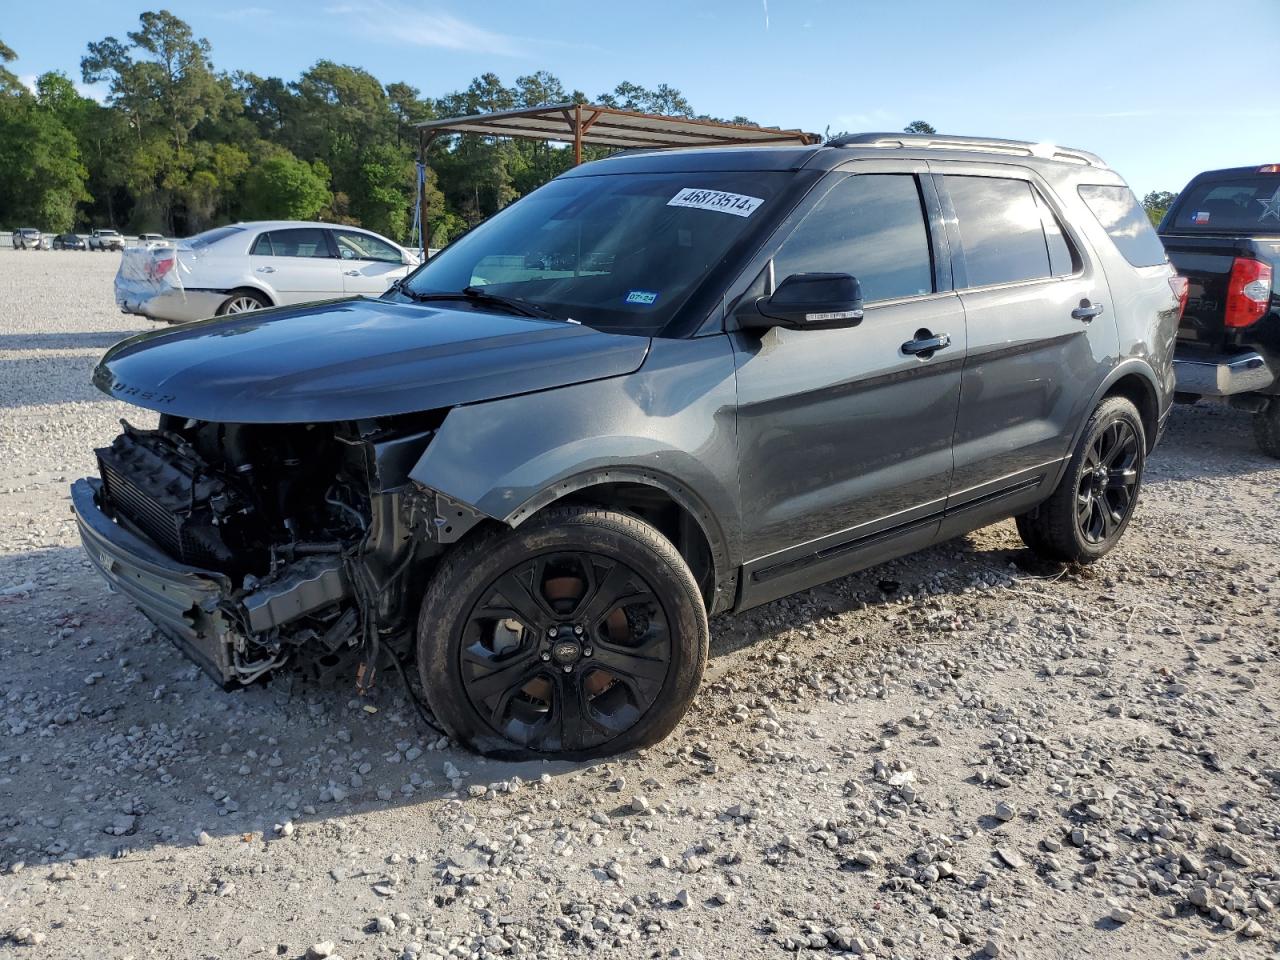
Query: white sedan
[[248, 266]]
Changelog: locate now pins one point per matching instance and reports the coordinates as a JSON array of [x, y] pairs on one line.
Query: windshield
[[620, 253], [1240, 205]]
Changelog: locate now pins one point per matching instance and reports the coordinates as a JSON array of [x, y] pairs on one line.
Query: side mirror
[[810, 301]]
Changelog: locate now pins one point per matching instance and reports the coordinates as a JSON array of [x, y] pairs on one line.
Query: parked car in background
[[106, 240], [145, 239], [248, 266], [1223, 236], [661, 386], [68, 241], [28, 238]]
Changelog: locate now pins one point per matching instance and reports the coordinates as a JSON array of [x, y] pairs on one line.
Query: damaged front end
[[251, 545]]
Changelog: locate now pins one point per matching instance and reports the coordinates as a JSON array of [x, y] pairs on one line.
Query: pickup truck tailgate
[[1206, 262]]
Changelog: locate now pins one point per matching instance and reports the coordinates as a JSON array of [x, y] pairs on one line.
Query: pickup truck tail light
[[1180, 286], [1248, 292]]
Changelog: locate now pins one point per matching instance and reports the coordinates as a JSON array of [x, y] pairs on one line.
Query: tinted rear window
[[1000, 229], [1126, 223], [1239, 205], [213, 236]]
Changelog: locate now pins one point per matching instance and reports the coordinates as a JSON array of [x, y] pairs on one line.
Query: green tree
[[161, 78], [9, 83], [1157, 204], [42, 180], [919, 126], [282, 187]]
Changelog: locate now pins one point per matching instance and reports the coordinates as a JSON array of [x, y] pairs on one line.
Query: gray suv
[[660, 387]]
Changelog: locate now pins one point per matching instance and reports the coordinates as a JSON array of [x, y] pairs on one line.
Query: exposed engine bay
[[297, 541]]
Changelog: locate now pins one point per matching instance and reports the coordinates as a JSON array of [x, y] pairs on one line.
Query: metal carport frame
[[589, 123]]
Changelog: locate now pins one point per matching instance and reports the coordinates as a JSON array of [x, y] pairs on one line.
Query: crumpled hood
[[357, 358]]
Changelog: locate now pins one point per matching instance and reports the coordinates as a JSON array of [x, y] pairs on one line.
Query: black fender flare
[[724, 574], [1131, 365]]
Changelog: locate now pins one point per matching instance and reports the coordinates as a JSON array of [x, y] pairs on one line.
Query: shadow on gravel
[[31, 381], [112, 742], [67, 341]]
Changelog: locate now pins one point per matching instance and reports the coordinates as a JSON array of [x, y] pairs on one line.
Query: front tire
[[580, 634], [1266, 428], [1086, 515]]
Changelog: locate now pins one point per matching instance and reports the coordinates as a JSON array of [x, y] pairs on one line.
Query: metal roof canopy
[[589, 123]]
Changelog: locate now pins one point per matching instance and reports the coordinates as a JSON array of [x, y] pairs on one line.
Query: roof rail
[[930, 141]]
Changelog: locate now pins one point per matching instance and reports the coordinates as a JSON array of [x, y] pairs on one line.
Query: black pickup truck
[[1223, 235]]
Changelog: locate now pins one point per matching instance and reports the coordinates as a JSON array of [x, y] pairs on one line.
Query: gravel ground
[[962, 754]]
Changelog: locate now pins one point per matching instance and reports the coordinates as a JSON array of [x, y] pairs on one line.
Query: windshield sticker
[[1270, 206], [717, 200], [1201, 216], [646, 297]]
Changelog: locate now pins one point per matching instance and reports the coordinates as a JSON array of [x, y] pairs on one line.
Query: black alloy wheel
[[1089, 510], [1109, 482], [565, 651], [580, 633]]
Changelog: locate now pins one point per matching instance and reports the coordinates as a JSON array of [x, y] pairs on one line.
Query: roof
[[589, 123]]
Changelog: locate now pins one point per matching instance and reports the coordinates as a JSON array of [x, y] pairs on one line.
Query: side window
[[869, 225], [1126, 223], [354, 245], [262, 246], [299, 242], [1001, 230]]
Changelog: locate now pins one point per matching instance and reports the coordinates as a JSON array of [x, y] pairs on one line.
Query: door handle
[[1086, 311], [925, 344], [266, 269], [352, 273]]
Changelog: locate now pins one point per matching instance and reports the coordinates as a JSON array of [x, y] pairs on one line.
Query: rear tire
[[1266, 428], [1086, 515], [580, 634], [242, 301]]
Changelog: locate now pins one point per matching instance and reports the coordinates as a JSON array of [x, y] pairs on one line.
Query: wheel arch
[[668, 505], [260, 291], [1134, 380]]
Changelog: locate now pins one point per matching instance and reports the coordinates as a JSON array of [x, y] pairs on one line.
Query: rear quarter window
[[1126, 223]]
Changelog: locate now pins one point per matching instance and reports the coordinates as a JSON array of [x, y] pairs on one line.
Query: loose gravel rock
[[963, 753]]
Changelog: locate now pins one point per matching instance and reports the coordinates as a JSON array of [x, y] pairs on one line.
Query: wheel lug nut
[[553, 631], [586, 652], [578, 629], [546, 655], [568, 668]]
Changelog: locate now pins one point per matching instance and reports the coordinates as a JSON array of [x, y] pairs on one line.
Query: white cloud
[[395, 22]]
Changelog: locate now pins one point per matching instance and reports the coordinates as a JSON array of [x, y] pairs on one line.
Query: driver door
[[845, 437]]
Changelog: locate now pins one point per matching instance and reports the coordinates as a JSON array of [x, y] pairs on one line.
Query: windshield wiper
[[479, 296]]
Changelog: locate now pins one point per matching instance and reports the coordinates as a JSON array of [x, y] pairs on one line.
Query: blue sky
[[1158, 87]]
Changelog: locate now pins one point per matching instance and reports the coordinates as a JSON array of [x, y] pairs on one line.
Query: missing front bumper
[[201, 611]]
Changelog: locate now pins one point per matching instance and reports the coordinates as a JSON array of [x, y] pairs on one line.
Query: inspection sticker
[[1201, 216], [717, 200], [647, 297]]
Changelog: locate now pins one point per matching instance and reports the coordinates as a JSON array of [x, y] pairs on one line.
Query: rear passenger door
[[297, 263], [1041, 336]]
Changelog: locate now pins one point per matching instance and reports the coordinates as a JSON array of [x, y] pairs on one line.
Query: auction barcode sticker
[[718, 200]]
